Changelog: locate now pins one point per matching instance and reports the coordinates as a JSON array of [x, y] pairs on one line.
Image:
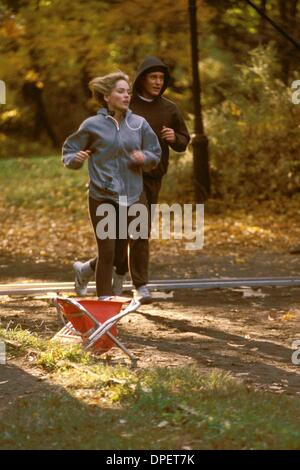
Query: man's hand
[[168, 134], [138, 157], [81, 156]]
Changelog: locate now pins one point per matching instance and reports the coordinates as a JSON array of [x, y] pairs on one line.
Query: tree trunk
[[33, 95], [286, 50], [200, 141], [263, 23]]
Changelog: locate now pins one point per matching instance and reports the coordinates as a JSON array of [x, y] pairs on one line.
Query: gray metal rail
[[35, 288]]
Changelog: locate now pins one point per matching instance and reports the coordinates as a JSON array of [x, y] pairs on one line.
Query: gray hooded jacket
[[110, 167]]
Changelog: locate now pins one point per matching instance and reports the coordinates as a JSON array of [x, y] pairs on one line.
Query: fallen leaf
[[236, 345], [288, 316], [252, 293], [188, 409], [162, 424]]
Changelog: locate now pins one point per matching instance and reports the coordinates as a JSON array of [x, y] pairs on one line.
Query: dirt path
[[245, 332]]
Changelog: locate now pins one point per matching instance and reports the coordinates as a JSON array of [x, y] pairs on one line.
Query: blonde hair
[[101, 86]]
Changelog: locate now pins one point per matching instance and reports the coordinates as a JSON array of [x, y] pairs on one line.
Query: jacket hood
[[146, 66], [104, 111]]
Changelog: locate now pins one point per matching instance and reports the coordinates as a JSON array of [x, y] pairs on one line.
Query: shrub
[[254, 133]]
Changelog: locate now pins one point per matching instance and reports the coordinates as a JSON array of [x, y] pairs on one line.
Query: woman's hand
[[81, 156], [138, 157]]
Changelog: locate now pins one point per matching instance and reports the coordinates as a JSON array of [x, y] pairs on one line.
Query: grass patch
[[42, 182], [106, 407], [48, 354]]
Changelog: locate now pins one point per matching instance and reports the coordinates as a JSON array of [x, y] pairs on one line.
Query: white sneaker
[[142, 295], [105, 297], [81, 280], [117, 283]]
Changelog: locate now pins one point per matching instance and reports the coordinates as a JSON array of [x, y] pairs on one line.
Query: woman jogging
[[119, 146]]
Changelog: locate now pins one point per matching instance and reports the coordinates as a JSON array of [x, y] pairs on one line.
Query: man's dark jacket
[[159, 112]]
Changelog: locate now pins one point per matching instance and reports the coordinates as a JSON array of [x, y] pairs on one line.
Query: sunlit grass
[[100, 406], [42, 183], [48, 354]]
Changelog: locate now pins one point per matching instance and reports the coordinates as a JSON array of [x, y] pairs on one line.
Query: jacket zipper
[[118, 129], [115, 121]]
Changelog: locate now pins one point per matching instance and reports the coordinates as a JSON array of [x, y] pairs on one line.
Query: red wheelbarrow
[[93, 322]]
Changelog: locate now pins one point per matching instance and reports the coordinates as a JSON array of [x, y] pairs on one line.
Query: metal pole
[[33, 288], [199, 141]]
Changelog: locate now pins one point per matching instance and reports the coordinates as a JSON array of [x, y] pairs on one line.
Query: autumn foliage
[[49, 51]]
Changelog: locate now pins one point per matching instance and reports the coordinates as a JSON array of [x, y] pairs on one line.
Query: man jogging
[[166, 120]]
